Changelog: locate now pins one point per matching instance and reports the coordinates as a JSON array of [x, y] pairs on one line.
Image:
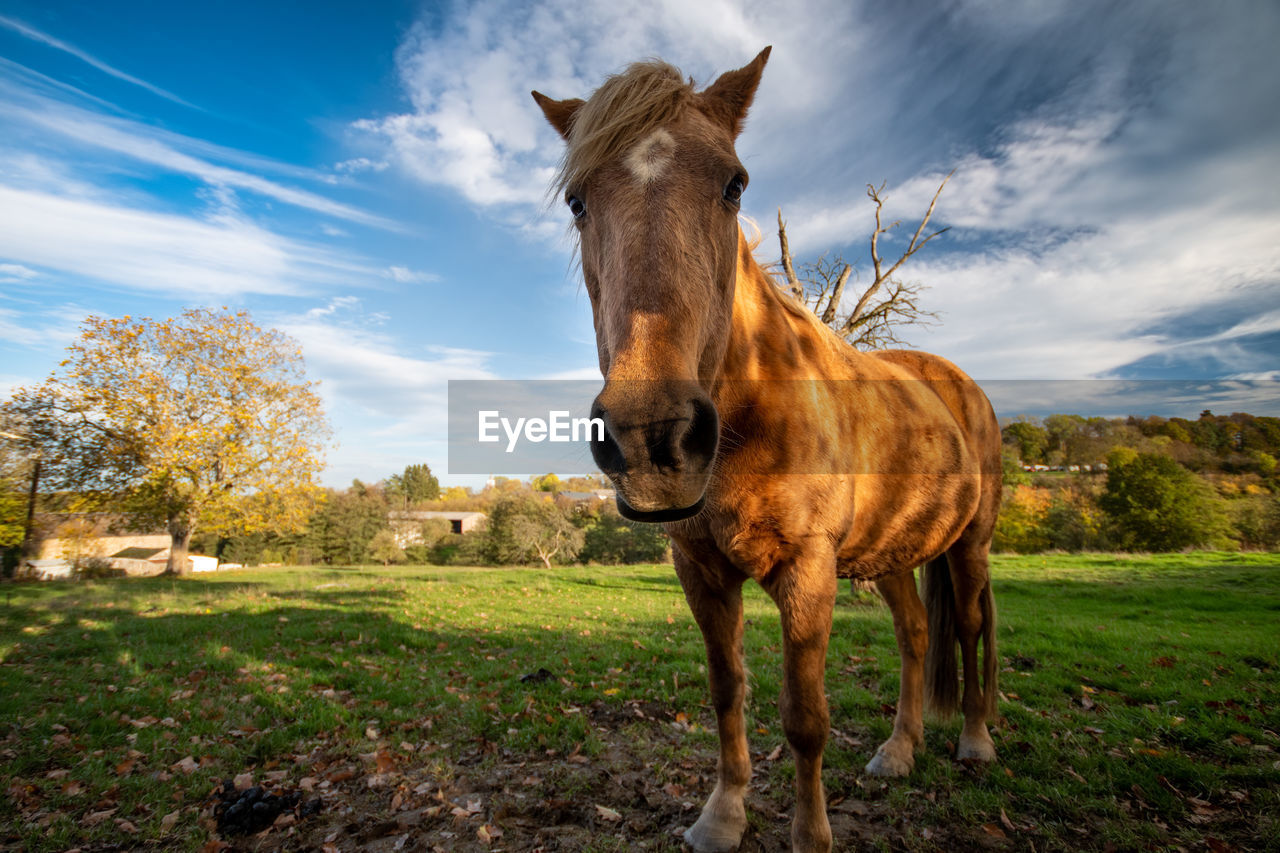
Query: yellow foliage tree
[[203, 420]]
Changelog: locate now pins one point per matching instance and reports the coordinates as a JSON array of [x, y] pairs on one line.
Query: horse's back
[[962, 396]]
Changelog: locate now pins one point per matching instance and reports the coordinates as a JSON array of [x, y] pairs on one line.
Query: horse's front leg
[[805, 593], [715, 597]]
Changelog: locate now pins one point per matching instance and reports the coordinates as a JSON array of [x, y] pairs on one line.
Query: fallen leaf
[[606, 813], [1004, 820], [168, 821], [187, 765], [96, 818], [243, 781]]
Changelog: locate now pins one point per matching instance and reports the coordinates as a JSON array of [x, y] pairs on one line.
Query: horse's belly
[[898, 528]]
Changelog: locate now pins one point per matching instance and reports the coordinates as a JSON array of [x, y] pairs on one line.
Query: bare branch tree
[[886, 305]]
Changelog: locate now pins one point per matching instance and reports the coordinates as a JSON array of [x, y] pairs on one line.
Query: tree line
[[1153, 484], [533, 522]]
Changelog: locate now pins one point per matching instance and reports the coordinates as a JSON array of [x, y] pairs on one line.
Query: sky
[[372, 177]]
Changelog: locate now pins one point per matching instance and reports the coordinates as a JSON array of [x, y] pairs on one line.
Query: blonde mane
[[626, 108]]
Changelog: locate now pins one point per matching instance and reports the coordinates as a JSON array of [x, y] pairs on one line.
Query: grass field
[[486, 709]]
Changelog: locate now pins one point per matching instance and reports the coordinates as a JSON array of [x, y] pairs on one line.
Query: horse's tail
[[990, 657], [941, 681]]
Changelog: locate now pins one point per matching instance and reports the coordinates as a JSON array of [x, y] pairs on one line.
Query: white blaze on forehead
[[649, 159]]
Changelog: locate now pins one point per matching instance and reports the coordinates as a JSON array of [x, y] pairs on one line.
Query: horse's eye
[[576, 207], [733, 189]]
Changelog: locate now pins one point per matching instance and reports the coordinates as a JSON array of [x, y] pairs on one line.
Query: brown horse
[[770, 448]]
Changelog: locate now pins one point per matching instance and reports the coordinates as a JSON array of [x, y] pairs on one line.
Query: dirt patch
[[630, 795]]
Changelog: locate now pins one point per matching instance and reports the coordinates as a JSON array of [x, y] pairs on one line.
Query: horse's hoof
[[706, 839], [886, 765], [979, 749]]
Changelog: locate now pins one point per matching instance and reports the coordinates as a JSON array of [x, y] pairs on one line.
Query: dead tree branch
[[886, 305]]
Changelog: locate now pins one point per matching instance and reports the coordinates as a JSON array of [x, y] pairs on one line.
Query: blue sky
[[371, 179]]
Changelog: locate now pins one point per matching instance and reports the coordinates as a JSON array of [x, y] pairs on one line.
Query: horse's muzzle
[[658, 447]]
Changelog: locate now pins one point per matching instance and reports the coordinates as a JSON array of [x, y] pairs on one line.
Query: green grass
[[1140, 711]]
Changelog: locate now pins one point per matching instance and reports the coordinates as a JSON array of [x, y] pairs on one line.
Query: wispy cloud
[[366, 378], [166, 253], [13, 273], [157, 148], [404, 275], [58, 44]]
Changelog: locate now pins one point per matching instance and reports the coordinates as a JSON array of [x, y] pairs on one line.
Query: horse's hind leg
[[716, 601], [896, 756], [975, 620]]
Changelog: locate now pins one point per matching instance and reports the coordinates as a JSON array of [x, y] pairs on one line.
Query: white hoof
[[719, 829], [707, 838], [885, 763]]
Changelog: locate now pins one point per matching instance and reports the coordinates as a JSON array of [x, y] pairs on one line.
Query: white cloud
[[1076, 308], [165, 253], [157, 149], [36, 35], [366, 377], [474, 128], [13, 273], [360, 164], [404, 275], [50, 327]]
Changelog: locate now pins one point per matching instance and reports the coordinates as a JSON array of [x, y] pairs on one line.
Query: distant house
[[593, 495], [76, 537], [407, 525]]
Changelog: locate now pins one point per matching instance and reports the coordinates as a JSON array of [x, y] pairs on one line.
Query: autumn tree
[[885, 305], [199, 421]]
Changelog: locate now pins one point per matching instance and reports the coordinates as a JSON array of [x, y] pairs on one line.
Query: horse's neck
[[770, 340]]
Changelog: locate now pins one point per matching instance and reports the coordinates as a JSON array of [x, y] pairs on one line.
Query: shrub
[[1157, 505], [1022, 525]]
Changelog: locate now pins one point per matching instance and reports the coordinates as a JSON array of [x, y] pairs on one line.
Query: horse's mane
[[626, 108]]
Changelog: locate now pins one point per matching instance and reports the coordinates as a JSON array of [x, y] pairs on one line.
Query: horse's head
[[653, 184]]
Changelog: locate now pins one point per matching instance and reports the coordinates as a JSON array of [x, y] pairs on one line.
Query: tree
[[610, 539], [1158, 505], [522, 527], [885, 305], [545, 483], [1028, 439], [344, 528], [415, 485], [384, 548], [199, 421]]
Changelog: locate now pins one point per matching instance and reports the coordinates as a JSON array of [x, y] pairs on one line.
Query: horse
[[768, 447]]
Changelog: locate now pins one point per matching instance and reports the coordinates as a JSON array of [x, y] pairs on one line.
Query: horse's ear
[[559, 113], [730, 96]]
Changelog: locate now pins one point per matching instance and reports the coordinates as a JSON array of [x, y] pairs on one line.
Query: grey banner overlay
[[534, 427]]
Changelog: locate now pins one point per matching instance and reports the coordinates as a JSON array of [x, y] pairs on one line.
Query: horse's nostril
[[703, 435], [606, 451]]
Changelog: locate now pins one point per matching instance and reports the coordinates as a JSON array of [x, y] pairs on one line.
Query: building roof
[[137, 553]]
